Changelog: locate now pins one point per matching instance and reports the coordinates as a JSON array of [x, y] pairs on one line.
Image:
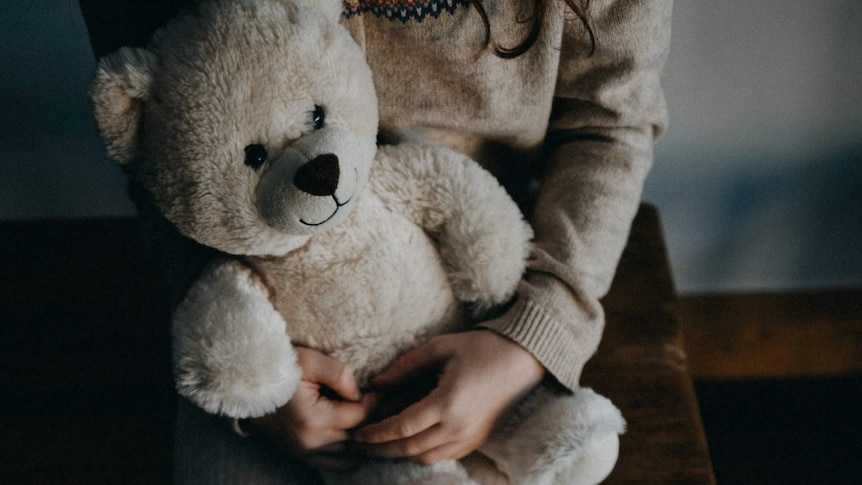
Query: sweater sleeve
[[608, 111]]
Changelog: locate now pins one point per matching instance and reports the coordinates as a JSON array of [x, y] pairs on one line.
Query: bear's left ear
[[123, 82]]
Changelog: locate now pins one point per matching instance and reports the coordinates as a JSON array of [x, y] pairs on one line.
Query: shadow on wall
[[761, 225], [52, 161], [835, 238]]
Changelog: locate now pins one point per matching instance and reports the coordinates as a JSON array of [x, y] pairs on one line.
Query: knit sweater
[[581, 124]]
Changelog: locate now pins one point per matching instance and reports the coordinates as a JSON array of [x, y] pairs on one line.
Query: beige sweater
[[584, 125]]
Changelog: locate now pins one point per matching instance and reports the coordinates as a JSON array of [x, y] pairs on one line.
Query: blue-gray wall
[[52, 163], [758, 179]]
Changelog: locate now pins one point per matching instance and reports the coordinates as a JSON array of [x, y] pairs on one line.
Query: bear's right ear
[[123, 82]]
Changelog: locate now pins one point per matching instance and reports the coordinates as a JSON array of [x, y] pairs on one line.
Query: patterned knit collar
[[403, 10]]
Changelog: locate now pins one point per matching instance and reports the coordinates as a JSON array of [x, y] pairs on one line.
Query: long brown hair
[[579, 7]]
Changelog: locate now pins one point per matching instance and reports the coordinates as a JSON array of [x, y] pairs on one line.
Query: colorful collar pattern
[[402, 10]]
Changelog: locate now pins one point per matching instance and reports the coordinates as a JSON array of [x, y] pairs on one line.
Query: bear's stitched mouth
[[338, 205]]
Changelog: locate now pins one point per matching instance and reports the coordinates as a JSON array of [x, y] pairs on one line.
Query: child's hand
[[314, 426], [482, 375]]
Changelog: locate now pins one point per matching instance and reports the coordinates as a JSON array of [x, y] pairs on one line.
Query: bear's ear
[[123, 82]]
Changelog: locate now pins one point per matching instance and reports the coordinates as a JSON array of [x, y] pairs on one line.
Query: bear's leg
[[553, 439], [402, 472]]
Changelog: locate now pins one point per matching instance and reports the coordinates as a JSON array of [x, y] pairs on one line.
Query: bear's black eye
[[318, 118], [255, 155]]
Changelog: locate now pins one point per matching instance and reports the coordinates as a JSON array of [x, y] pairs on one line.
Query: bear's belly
[[364, 291]]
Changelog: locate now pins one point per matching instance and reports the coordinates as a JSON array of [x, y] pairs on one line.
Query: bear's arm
[[232, 355], [483, 237]]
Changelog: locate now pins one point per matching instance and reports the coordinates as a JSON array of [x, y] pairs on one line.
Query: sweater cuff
[[560, 333]]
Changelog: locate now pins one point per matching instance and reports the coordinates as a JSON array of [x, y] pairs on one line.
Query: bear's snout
[[319, 176], [308, 188]]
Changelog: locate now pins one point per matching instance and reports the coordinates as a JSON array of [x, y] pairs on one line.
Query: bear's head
[[252, 123]]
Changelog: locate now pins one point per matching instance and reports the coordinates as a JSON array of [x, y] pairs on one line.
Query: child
[[558, 98]]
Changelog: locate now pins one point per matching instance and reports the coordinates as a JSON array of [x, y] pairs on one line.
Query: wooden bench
[[642, 366], [85, 386]]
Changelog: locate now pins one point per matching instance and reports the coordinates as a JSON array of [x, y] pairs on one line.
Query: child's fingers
[[410, 363], [427, 440], [346, 415], [447, 451], [412, 421], [332, 373]]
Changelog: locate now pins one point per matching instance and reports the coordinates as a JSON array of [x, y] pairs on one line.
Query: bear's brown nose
[[319, 176]]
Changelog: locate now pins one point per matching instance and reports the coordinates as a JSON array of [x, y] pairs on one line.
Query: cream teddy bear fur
[[252, 123]]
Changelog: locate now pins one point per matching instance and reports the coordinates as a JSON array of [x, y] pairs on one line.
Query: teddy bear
[[252, 125]]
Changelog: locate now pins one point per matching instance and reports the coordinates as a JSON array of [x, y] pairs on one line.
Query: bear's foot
[[553, 439]]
